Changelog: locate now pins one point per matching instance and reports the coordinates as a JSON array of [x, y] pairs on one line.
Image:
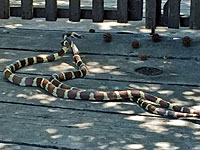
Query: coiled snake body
[[54, 85]]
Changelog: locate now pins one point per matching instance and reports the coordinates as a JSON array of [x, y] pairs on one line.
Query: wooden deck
[[31, 119]]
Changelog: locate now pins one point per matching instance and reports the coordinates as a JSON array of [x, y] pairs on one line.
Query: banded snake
[[54, 85]]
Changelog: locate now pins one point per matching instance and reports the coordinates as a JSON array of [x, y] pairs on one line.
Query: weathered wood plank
[[4, 9], [151, 6], [135, 10], [165, 13], [181, 95], [27, 9], [105, 67], [174, 14], [74, 10], [97, 10], [28, 95], [51, 10], [122, 11], [195, 14], [44, 118], [50, 127], [158, 11], [38, 97], [13, 145], [121, 44]]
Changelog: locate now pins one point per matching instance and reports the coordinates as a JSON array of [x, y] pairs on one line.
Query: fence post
[[135, 10], [97, 10], [27, 9], [74, 10], [195, 14], [151, 6], [4, 9], [174, 14], [158, 11], [51, 10], [122, 11]]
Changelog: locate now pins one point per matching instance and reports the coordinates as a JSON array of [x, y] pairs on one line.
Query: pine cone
[[107, 37], [186, 41], [92, 31], [135, 44], [143, 57], [156, 38]]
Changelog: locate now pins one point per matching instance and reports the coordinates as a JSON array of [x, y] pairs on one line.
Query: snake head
[[73, 35]]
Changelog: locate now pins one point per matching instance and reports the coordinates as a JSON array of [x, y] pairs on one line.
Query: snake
[[55, 86]]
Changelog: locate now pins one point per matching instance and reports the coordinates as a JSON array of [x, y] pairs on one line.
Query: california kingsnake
[[54, 85]]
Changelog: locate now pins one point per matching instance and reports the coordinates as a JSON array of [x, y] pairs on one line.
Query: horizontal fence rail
[[127, 10]]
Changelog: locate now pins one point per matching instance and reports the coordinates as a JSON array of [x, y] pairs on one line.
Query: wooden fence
[[171, 15], [127, 10]]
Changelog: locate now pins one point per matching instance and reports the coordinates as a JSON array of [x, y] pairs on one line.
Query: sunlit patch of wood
[[196, 90], [84, 125], [150, 88], [4, 146], [51, 131], [197, 133], [195, 98], [109, 67], [13, 26], [56, 136], [29, 69], [180, 102], [196, 107], [176, 38], [3, 60], [165, 146], [180, 123], [126, 111], [43, 98], [136, 118], [61, 67], [188, 93], [108, 25], [53, 110], [196, 147], [156, 126], [133, 146], [166, 92], [136, 62], [112, 105], [95, 70], [92, 63], [118, 73]]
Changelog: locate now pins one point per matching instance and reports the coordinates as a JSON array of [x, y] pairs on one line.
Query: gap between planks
[[29, 145]]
